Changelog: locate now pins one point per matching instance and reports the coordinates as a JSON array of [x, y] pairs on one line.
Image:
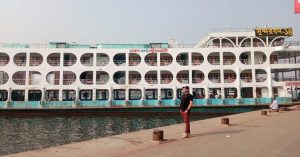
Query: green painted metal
[[136, 103], [14, 45], [284, 99], [200, 102], [57, 104], [124, 46], [151, 102], [2, 104], [24, 104], [118, 103], [168, 102]]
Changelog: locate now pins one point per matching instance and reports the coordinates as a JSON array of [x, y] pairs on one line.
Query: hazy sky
[[136, 21]]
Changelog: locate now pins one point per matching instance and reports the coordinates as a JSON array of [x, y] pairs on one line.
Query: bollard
[[225, 121], [264, 113], [158, 135]]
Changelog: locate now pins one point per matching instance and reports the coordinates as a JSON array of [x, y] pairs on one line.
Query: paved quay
[[248, 135]]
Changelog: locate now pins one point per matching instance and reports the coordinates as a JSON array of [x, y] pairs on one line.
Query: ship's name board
[[295, 83], [273, 32], [153, 50]]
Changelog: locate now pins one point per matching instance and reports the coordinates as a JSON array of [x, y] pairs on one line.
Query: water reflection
[[18, 134]]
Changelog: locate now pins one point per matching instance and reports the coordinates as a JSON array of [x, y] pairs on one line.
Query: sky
[[137, 21]]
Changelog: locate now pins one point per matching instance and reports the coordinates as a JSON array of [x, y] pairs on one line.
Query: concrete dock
[[249, 135]]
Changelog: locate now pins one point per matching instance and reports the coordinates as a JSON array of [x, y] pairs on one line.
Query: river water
[[18, 134]]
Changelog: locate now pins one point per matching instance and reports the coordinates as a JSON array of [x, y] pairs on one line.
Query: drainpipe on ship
[[110, 96], [222, 78], [126, 96], [254, 81], [76, 102], [270, 82], [43, 98], [238, 83], [94, 94], [60, 94], [143, 95], [8, 98], [159, 96], [174, 94], [206, 93]]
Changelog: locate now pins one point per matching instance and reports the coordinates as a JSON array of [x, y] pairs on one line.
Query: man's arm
[[190, 106]]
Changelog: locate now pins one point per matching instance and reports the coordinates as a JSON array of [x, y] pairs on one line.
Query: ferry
[[227, 67]]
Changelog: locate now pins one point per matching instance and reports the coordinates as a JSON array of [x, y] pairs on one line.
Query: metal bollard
[[158, 135], [225, 121], [264, 113]]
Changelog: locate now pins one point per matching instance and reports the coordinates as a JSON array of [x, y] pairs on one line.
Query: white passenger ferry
[[227, 67]]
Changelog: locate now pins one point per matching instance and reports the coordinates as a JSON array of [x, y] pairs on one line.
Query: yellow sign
[[273, 32]]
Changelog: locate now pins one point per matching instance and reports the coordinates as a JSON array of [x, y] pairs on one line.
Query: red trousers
[[186, 118]]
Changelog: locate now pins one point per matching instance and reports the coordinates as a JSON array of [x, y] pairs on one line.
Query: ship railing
[[246, 79], [165, 62], [54, 82], [287, 61], [286, 79], [228, 61], [292, 43], [101, 81], [246, 61], [134, 62], [134, 81], [86, 62], [215, 79], [246, 44], [34, 81], [151, 62], [182, 62], [35, 62], [87, 81], [278, 43], [183, 80], [260, 79], [258, 44], [101, 63], [53, 62], [120, 62], [3, 81], [258, 61], [166, 80], [23, 45], [214, 45], [69, 62], [68, 81], [227, 44], [151, 80], [19, 81], [3, 62], [229, 79], [197, 80], [20, 62], [121, 81], [197, 61], [214, 61]]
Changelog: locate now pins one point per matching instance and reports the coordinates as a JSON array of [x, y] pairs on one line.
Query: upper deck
[[218, 38]]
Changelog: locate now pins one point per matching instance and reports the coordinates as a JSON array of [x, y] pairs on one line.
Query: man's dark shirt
[[185, 101]]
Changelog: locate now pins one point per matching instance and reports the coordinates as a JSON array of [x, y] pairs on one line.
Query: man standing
[[185, 109]]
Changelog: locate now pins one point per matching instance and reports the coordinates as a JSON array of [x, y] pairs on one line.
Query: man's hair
[[186, 87]]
